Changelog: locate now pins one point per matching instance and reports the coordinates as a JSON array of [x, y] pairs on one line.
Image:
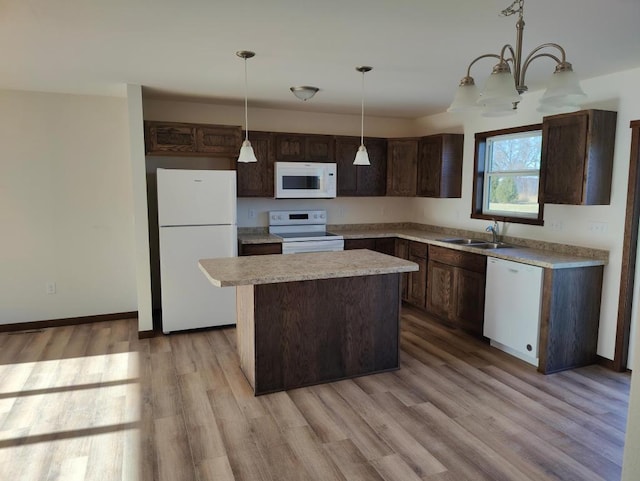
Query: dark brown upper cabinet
[[161, 137], [440, 166], [361, 180], [219, 140], [171, 138], [402, 161], [577, 157], [255, 179], [304, 148]]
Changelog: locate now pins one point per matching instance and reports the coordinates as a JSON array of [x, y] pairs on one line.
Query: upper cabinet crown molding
[[173, 138], [577, 157]]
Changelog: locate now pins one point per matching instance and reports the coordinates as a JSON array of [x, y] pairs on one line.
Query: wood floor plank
[[307, 448], [324, 425]]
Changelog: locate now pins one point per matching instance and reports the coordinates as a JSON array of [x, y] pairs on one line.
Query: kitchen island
[[305, 319]]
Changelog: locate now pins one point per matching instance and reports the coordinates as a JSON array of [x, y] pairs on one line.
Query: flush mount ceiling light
[[246, 151], [304, 92], [503, 88], [362, 157]]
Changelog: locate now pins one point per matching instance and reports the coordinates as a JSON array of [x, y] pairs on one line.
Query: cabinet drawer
[[418, 249], [466, 260]]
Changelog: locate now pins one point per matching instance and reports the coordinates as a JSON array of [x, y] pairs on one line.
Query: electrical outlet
[[50, 287], [598, 227], [556, 225], [252, 214], [341, 212]]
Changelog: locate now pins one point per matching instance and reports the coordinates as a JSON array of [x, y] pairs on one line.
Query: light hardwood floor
[[94, 402]]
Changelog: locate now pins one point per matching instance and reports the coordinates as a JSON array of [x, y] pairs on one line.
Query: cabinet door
[[256, 179], [441, 290], [320, 148], [440, 165], [169, 137], [429, 167], [402, 251], [418, 283], [346, 148], [469, 304], [372, 179], [360, 244], [564, 143], [291, 148], [386, 245], [219, 140], [361, 180], [402, 162]]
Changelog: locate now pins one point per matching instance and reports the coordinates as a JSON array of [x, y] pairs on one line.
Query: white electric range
[[303, 231]]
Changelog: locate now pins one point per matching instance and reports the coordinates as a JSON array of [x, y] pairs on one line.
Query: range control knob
[[322, 216]]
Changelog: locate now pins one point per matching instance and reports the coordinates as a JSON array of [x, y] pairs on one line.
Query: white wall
[[65, 207], [612, 92]]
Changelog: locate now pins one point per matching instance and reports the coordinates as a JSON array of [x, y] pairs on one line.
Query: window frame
[[479, 169]]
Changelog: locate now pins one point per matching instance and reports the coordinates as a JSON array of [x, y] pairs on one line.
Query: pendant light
[[246, 151], [362, 157]]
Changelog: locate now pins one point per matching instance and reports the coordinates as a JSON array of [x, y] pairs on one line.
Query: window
[[508, 175]]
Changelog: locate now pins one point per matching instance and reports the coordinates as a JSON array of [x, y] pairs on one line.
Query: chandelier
[[503, 88]]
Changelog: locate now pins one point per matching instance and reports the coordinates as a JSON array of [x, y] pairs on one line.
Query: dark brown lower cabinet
[[455, 290], [402, 251], [417, 287], [385, 245], [259, 249]]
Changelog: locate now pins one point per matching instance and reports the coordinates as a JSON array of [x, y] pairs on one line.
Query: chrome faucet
[[494, 229]]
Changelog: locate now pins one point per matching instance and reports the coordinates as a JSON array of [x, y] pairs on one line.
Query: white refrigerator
[[196, 220]]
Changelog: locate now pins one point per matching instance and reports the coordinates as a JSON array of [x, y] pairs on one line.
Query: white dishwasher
[[513, 298]]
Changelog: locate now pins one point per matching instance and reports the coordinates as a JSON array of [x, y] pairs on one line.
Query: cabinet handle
[[515, 271]]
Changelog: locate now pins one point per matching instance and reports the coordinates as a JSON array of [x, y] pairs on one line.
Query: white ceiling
[[419, 49]]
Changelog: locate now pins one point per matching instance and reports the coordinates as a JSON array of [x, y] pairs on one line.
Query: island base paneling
[[296, 334]]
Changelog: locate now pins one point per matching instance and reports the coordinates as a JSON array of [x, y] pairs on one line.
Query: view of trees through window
[[512, 174]]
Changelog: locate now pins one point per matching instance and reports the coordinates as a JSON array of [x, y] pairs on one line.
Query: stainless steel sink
[[492, 245], [479, 243], [460, 241]]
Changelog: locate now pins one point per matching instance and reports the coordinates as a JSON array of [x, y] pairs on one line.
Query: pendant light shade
[[246, 151], [362, 157]]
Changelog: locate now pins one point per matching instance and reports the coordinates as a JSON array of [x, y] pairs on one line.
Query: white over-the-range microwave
[[305, 180]]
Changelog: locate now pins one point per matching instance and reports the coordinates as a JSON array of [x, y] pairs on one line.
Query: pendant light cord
[[246, 94], [362, 114]]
